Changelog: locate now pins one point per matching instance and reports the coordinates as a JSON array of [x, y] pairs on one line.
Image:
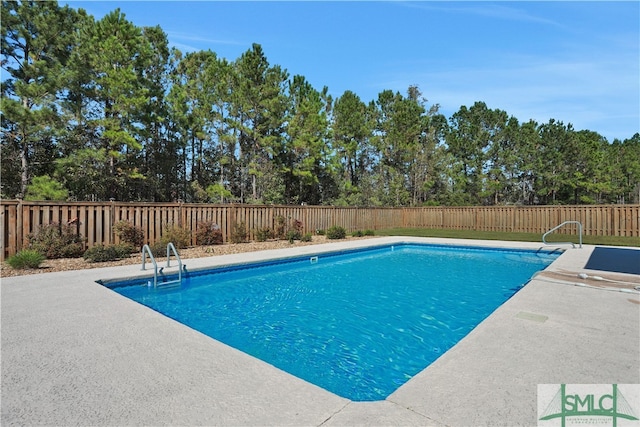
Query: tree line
[[104, 109]]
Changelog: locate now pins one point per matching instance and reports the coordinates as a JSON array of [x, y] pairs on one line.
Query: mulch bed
[[66, 264]]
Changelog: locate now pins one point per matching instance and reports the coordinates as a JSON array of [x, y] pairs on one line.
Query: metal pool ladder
[[146, 250], [563, 243]]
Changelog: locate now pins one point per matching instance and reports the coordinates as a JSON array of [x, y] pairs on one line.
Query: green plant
[[239, 233], [124, 250], [27, 258], [180, 237], [369, 233], [159, 249], [101, 253], [208, 233], [357, 233], [291, 232], [129, 233], [263, 234], [306, 237], [320, 232], [57, 241], [293, 235], [336, 232]]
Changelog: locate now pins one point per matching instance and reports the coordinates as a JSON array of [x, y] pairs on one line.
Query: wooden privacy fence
[[95, 221]]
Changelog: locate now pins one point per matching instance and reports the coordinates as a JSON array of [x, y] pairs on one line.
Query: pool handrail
[[147, 250], [563, 243], [170, 248]]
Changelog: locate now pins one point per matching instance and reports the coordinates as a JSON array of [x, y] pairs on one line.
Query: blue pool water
[[359, 324]]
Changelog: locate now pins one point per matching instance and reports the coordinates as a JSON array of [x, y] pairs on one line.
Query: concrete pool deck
[[76, 353]]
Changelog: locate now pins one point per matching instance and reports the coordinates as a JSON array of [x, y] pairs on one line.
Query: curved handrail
[[172, 248], [561, 225], [147, 250]]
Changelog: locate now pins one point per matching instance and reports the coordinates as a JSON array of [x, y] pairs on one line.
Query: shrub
[[306, 237], [129, 233], [264, 233], [293, 235], [357, 233], [291, 231], [297, 225], [208, 233], [336, 232], [180, 237], [27, 258], [239, 233], [279, 229], [369, 233], [57, 241], [320, 232], [101, 253], [159, 249]]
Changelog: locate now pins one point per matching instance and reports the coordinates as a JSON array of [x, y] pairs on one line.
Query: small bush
[[336, 232], [291, 231], [369, 233], [357, 233], [57, 241], [101, 253], [208, 233], [320, 232], [297, 225], [159, 249], [263, 234], [306, 237], [180, 237], [129, 233], [27, 258], [239, 233], [124, 250], [293, 235], [279, 229]]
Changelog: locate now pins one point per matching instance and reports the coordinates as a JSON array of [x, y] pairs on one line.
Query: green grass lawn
[[523, 237]]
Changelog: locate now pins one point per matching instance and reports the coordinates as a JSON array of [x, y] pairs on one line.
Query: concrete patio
[[77, 353]]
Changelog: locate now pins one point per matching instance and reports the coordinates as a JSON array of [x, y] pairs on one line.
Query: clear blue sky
[[576, 62]]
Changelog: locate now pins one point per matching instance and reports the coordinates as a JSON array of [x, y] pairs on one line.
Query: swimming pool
[[357, 323]]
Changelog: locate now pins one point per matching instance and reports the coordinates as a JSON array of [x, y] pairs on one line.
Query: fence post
[[231, 221], [112, 221], [22, 236], [4, 232]]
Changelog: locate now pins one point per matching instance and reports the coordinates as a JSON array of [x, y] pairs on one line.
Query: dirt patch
[[66, 264]]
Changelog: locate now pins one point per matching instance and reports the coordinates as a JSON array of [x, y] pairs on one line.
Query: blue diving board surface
[[617, 260]]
